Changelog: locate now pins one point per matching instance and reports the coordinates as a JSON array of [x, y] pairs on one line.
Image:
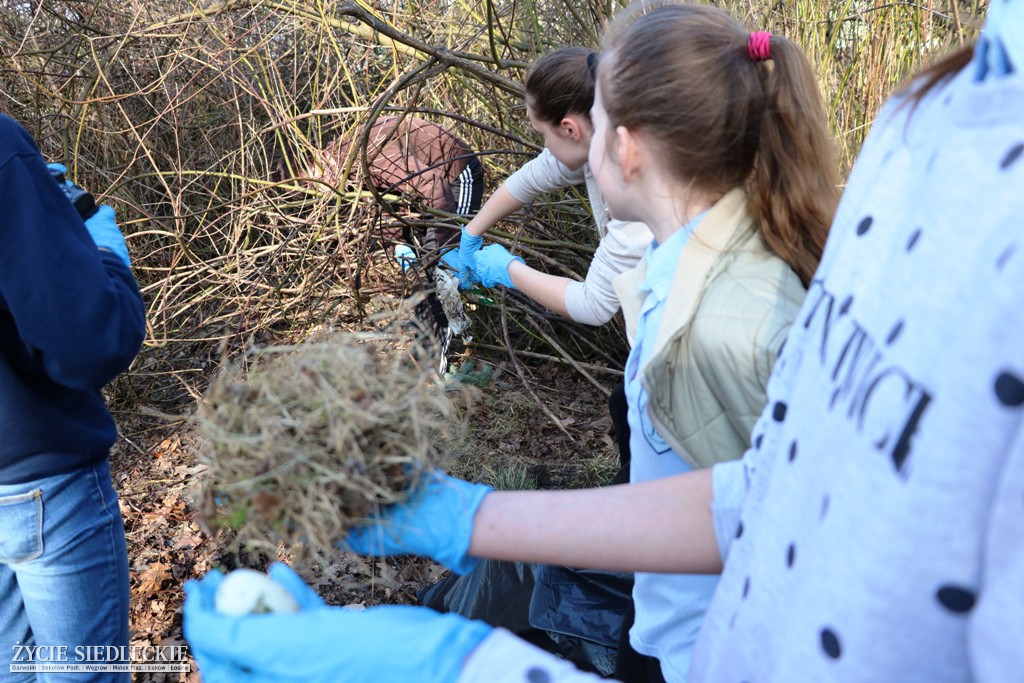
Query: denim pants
[[63, 569]]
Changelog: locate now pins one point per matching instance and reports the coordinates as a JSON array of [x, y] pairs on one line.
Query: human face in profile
[[568, 141], [604, 163]]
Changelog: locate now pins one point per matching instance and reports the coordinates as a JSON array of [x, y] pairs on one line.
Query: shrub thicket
[[182, 115]]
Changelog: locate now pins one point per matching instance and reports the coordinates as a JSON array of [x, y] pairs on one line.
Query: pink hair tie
[[759, 46]]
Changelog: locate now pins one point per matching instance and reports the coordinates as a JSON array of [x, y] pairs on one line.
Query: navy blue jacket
[[71, 319]]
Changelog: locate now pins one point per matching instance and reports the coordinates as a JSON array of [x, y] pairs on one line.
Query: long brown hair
[[562, 83], [682, 74]]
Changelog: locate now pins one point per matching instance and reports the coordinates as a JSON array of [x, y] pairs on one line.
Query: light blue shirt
[[661, 267], [669, 607]]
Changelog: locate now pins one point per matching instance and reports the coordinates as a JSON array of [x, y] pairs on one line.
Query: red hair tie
[[759, 46]]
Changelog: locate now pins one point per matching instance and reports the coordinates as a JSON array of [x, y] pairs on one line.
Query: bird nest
[[306, 442]]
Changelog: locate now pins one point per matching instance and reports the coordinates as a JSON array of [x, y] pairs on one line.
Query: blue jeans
[[63, 569]]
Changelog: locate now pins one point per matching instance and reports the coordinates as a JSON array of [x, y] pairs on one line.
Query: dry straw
[[306, 442]]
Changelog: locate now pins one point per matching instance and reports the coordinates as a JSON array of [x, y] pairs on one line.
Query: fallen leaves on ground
[[155, 471]]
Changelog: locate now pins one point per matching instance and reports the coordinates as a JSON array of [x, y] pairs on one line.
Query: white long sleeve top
[[622, 243]]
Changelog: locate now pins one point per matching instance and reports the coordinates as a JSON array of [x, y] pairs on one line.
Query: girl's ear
[[572, 127], [630, 152]]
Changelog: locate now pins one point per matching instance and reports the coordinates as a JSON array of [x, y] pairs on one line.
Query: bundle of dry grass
[[308, 441]]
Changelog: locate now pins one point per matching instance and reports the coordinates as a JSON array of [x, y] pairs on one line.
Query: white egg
[[247, 591]]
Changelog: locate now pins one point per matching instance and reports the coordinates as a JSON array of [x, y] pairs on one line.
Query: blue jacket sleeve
[[78, 310]]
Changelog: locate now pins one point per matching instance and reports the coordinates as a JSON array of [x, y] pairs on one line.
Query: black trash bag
[[495, 592], [575, 614], [582, 610]]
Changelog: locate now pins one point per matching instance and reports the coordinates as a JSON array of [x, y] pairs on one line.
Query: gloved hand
[[469, 245], [329, 644], [59, 169], [83, 202], [491, 266], [406, 256], [200, 602], [450, 260], [106, 234], [437, 522]]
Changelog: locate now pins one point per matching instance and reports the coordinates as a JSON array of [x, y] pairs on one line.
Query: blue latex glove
[[106, 234], [469, 245], [437, 522], [491, 267], [405, 256], [201, 600], [450, 260], [83, 202], [328, 644], [60, 168]]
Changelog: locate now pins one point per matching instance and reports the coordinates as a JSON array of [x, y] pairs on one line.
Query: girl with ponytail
[[716, 139]]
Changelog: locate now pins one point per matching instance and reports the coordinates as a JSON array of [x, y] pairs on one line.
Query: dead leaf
[[153, 577]]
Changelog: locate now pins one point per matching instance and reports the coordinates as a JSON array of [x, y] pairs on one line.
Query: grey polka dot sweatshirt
[[876, 533]]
